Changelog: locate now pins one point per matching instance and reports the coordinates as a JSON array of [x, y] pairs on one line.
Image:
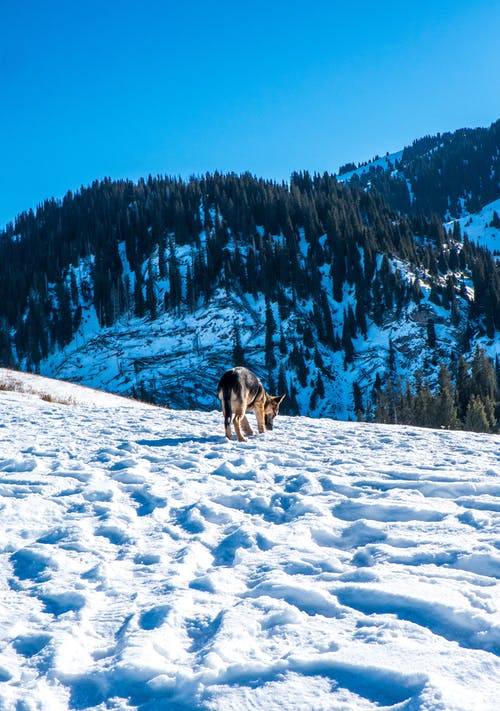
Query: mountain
[[451, 174], [326, 290], [148, 563]]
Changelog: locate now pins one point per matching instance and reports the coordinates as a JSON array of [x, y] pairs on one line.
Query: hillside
[[153, 289], [454, 175], [148, 563]]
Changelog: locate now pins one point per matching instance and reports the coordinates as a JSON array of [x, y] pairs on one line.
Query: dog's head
[[271, 409]]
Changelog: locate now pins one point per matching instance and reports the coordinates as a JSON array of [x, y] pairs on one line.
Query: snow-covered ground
[[147, 563]]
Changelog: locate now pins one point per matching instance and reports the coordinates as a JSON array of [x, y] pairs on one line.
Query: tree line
[[445, 174], [467, 399], [331, 252]]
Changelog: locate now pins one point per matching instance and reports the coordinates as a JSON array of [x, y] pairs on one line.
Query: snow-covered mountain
[[455, 175], [152, 289], [148, 563]]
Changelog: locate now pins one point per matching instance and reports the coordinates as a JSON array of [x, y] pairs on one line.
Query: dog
[[239, 390]]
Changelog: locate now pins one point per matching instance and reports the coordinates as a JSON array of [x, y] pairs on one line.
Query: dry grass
[[13, 385]]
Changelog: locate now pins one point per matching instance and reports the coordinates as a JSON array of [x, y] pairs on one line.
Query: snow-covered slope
[[479, 228], [477, 225], [387, 162], [59, 391], [148, 563]]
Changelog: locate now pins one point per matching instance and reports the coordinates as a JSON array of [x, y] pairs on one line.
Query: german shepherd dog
[[240, 390]]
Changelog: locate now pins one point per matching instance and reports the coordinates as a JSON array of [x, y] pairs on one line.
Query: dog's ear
[[277, 399]]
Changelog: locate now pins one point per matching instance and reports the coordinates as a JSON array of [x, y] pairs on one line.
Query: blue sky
[[124, 89]]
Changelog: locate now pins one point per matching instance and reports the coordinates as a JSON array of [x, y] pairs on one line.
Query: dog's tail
[[226, 404]]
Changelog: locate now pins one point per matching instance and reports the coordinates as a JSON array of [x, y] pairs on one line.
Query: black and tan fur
[[240, 390]]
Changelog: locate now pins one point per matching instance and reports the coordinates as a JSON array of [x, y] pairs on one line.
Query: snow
[[478, 227], [149, 563]]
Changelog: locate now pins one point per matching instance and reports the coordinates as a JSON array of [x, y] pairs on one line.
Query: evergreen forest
[[331, 262]]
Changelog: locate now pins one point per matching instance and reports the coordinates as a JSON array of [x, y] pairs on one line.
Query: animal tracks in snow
[[149, 563]]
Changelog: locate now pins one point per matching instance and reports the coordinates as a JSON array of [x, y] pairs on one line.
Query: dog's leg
[[246, 426], [259, 416], [238, 418]]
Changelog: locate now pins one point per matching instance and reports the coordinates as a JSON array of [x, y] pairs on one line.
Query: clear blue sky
[[123, 89]]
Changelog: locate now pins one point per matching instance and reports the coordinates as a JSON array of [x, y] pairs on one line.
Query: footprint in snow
[[29, 645], [19, 464], [55, 535], [154, 617], [147, 502], [147, 559], [225, 552], [59, 603], [201, 630], [29, 564], [114, 534], [189, 519], [296, 483]]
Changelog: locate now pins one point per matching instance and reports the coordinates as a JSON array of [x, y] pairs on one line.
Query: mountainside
[[332, 296], [147, 563], [451, 174]]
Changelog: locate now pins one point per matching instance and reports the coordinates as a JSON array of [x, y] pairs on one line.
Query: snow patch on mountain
[[482, 227]]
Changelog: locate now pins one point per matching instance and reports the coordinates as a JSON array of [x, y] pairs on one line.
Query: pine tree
[[320, 387], [348, 348], [431, 333], [139, 304], [464, 388], [391, 359], [495, 222], [358, 400], [416, 291], [423, 403], [65, 315], [291, 402], [6, 355], [445, 407], [377, 301], [162, 262], [175, 281], [151, 292], [270, 359], [298, 360], [483, 384], [382, 408], [475, 418], [282, 383], [238, 352]]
